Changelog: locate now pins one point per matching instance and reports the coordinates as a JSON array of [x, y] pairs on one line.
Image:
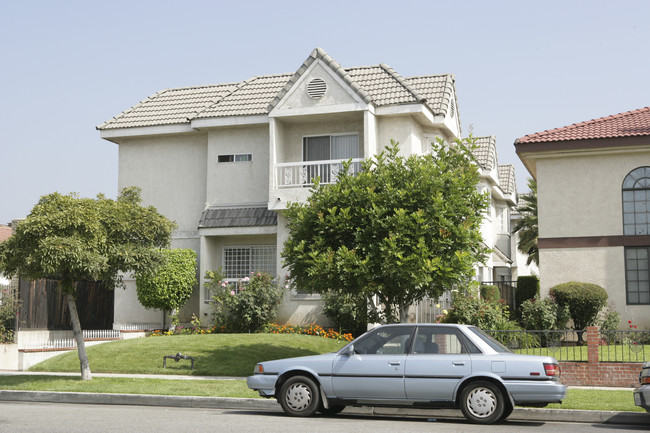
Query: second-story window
[[328, 147], [235, 157]]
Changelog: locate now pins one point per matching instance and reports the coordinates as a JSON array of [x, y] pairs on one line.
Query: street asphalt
[[523, 414]]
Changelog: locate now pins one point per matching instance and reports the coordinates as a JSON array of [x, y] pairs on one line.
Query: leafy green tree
[[528, 227], [70, 239], [401, 229], [170, 287]]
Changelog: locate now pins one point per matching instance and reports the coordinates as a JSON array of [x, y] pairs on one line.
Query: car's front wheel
[[482, 402], [299, 396]]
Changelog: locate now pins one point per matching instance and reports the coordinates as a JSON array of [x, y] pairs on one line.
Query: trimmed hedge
[[527, 288], [584, 300]]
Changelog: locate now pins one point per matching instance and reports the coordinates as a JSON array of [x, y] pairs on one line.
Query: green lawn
[[218, 355], [214, 354]]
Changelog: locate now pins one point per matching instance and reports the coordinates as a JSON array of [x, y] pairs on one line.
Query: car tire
[[507, 411], [332, 410], [299, 396], [482, 402]]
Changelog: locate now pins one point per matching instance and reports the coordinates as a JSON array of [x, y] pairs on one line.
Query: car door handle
[[458, 363], [393, 363]]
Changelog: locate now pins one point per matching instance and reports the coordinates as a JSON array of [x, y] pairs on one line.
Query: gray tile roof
[[379, 85], [486, 152], [170, 106], [238, 217], [507, 178]]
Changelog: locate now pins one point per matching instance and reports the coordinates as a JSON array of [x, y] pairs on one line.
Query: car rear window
[[490, 341]]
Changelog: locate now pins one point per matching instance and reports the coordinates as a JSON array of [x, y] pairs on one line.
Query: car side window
[[388, 340], [438, 340]]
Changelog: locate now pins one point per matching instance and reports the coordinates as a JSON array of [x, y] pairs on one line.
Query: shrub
[[9, 305], [584, 301], [490, 293], [469, 309], [170, 287], [543, 314], [609, 323], [245, 306]]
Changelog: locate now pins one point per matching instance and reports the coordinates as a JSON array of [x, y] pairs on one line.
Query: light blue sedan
[[414, 365]]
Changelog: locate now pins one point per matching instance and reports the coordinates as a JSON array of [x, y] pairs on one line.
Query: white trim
[[234, 231], [320, 109], [108, 134], [213, 122]]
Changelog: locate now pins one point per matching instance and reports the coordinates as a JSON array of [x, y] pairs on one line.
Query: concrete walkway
[[523, 414]]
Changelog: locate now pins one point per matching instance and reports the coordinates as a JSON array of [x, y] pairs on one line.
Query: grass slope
[[214, 354]]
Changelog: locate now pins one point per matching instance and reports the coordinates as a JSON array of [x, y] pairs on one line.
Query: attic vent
[[452, 109], [316, 88]]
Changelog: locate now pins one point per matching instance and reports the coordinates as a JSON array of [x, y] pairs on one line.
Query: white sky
[[520, 66]]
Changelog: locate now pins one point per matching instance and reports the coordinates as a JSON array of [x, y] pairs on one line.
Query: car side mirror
[[347, 351]]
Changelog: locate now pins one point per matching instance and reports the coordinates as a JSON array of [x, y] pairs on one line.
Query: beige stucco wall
[[238, 182], [171, 172], [602, 266], [580, 195], [336, 93]]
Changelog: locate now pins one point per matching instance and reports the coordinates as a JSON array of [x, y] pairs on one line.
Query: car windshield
[[490, 341]]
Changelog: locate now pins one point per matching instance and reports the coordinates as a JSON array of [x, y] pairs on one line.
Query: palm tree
[[527, 226]]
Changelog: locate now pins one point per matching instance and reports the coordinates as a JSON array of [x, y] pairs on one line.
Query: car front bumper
[[263, 383], [536, 392], [642, 397]]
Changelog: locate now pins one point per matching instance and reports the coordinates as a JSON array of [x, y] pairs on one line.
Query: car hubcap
[[481, 402], [298, 396]]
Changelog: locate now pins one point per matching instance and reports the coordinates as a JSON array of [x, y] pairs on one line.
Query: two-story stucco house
[[593, 198], [224, 160]]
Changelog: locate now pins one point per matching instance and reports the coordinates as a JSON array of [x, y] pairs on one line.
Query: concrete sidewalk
[[523, 414]]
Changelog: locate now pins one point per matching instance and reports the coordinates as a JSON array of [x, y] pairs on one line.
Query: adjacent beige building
[[224, 160], [593, 182]]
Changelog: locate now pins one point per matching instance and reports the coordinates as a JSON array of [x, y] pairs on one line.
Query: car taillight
[[259, 369], [552, 369]]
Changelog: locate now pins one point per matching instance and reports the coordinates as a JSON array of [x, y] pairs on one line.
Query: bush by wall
[[490, 293], [244, 306], [584, 301], [527, 288]]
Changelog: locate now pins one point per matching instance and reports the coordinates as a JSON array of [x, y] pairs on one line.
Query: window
[[386, 341], [636, 202], [240, 261], [438, 340], [237, 157], [636, 222], [637, 281], [326, 148]]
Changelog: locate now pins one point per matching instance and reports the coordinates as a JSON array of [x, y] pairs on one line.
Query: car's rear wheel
[[299, 396], [482, 402]]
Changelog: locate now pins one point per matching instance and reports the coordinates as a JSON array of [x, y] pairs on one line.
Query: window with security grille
[[240, 261]]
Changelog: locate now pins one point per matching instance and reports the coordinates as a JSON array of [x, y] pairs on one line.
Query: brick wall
[[596, 373]]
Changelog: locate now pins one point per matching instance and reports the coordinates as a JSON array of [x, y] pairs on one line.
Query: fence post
[[592, 344]]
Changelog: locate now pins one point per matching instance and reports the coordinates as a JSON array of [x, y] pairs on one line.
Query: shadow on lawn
[[238, 360]]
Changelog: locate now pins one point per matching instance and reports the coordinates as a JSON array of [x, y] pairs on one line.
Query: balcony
[[503, 244], [302, 174]]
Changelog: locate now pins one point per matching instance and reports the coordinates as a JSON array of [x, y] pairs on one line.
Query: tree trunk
[[172, 324], [78, 335]]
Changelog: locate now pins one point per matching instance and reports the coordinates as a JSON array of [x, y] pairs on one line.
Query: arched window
[[636, 202], [636, 222]]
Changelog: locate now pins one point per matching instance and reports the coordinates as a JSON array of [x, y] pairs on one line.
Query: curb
[[520, 414]]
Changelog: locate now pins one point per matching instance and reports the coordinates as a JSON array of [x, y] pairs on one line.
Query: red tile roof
[[628, 124], [5, 233]]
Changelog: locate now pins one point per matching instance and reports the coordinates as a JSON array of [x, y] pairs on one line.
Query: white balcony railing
[[299, 174]]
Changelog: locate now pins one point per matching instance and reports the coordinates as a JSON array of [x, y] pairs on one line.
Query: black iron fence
[[564, 345]]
